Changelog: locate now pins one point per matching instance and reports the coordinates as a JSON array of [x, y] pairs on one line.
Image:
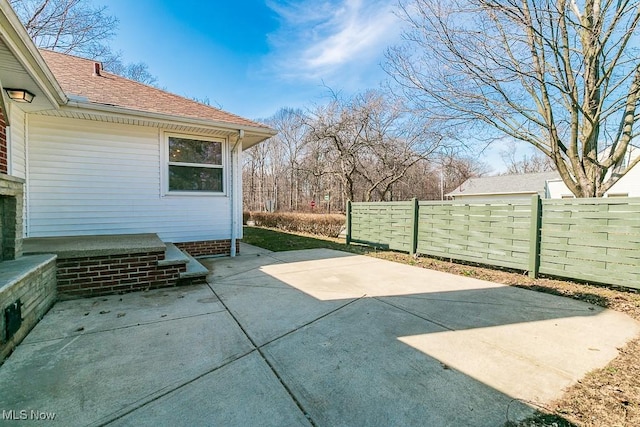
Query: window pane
[[193, 151], [185, 178]]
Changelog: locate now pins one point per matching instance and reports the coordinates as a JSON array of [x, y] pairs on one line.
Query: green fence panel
[[383, 224], [596, 240], [494, 234]]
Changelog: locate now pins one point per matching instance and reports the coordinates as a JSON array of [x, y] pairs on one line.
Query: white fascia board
[[256, 134]]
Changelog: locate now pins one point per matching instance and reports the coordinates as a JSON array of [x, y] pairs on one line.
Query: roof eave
[[503, 193], [21, 45], [253, 134]]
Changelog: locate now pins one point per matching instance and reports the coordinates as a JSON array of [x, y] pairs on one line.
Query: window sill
[[193, 194]]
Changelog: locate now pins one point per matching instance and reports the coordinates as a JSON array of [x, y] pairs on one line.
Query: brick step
[[109, 264]]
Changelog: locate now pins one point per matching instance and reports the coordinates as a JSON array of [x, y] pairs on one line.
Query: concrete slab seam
[[240, 272], [288, 390], [312, 321], [414, 314], [152, 397]]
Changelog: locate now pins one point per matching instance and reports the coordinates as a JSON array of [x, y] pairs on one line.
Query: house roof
[[68, 86], [505, 184], [78, 79]]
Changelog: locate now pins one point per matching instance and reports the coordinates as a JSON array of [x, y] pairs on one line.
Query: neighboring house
[[490, 188], [100, 154], [547, 184], [627, 186]]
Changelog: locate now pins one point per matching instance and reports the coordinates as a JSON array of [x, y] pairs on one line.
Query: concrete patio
[[314, 337]]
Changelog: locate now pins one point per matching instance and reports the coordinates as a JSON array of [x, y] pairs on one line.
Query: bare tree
[[394, 141], [138, 71], [365, 147], [526, 163], [77, 27], [342, 129], [561, 75], [255, 175], [67, 26], [292, 136], [374, 142]]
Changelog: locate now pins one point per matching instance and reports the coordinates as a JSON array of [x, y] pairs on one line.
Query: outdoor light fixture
[[20, 95]]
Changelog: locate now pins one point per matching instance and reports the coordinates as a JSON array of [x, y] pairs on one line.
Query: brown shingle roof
[[77, 78]]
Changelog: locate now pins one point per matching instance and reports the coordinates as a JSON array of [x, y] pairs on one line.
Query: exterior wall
[[557, 189], [36, 290], [18, 166], [89, 178], [630, 183], [209, 247]]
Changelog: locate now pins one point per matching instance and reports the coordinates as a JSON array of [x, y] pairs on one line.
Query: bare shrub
[[328, 225]]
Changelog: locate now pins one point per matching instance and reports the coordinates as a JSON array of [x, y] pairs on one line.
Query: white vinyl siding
[[96, 178], [17, 158], [630, 183]]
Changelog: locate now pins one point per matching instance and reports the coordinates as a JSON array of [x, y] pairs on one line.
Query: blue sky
[[251, 57]]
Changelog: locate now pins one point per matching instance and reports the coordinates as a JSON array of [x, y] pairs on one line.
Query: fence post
[[348, 222], [534, 242], [414, 226]]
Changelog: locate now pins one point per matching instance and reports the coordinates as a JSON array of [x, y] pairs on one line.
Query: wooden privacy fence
[[596, 240]]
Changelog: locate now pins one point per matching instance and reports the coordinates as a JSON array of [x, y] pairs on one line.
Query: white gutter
[[233, 193], [122, 112], [508, 193]]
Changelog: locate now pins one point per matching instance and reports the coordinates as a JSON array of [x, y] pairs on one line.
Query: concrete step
[[194, 269], [173, 256]]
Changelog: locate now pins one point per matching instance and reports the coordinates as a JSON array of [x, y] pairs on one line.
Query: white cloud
[[319, 39]]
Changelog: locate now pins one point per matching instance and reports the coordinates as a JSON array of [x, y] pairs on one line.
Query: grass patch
[[278, 241], [605, 397]]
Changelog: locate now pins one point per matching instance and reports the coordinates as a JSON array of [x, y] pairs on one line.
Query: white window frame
[[166, 192]]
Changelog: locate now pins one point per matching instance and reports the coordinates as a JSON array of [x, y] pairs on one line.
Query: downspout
[[232, 197]]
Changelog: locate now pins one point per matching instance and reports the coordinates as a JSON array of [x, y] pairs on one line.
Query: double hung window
[[195, 165]]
